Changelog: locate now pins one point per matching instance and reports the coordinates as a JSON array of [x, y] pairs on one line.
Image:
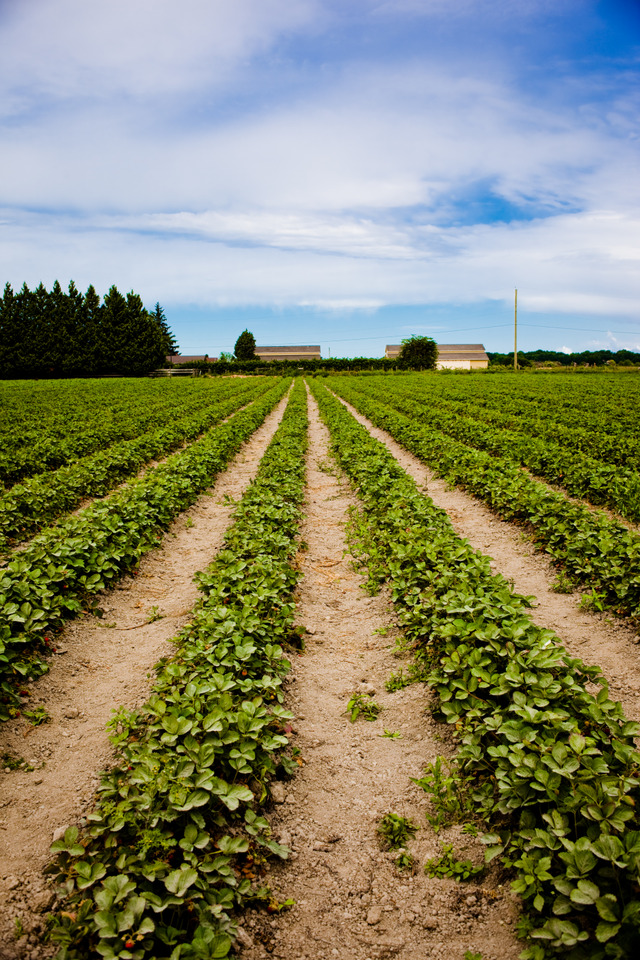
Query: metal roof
[[315, 349]]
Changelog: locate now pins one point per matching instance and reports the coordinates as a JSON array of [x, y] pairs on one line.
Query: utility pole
[[515, 332]]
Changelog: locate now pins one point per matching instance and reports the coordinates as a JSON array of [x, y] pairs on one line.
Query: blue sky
[[342, 172]]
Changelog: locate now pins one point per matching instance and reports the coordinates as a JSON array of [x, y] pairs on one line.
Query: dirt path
[[594, 637], [351, 900], [104, 663]]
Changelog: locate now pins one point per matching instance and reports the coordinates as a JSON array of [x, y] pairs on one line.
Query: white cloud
[[74, 49], [479, 263], [121, 122]]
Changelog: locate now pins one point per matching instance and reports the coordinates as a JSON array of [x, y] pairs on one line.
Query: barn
[[451, 356]]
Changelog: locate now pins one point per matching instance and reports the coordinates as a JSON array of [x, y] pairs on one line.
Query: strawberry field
[[523, 787]]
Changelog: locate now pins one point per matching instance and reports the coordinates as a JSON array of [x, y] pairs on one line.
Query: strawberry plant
[[65, 566], [163, 863], [29, 505], [546, 759], [591, 548]]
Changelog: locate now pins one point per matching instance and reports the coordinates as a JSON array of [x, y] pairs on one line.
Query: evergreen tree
[[74, 354], [145, 346], [9, 330], [170, 343], [419, 352], [245, 348], [112, 344], [92, 326], [65, 333]]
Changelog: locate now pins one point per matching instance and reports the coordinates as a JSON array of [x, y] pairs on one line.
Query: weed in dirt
[[448, 865], [37, 716], [188, 524], [405, 861], [19, 930], [449, 794], [382, 631], [275, 906], [325, 466], [391, 734], [563, 584], [9, 762], [400, 680], [470, 955], [593, 601], [361, 705], [155, 614], [395, 831]]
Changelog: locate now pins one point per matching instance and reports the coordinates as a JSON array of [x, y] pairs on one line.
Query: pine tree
[[9, 331], [112, 344], [170, 343], [91, 321], [245, 348], [75, 348]]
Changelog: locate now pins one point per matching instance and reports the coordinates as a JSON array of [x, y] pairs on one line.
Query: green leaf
[[608, 909], [179, 881], [233, 844], [585, 893], [609, 848], [605, 931]]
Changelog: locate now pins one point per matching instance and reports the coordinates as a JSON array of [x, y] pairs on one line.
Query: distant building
[[288, 353], [451, 356], [462, 356], [178, 358]]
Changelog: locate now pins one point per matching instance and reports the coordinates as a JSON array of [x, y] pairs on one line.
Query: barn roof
[[307, 349]]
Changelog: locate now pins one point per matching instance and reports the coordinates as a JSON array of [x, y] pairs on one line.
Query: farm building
[[451, 356], [288, 353], [193, 358]]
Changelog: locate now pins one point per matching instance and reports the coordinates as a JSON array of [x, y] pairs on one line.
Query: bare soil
[[103, 663], [596, 638], [351, 899]]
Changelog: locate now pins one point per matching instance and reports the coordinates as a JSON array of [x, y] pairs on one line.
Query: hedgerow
[[177, 838], [551, 767]]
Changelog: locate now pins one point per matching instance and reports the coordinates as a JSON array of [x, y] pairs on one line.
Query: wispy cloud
[[307, 152]]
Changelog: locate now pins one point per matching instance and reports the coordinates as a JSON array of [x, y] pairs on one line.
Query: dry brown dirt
[[596, 638], [103, 663], [351, 900]]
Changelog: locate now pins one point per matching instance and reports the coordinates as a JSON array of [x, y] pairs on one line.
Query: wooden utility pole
[[515, 332]]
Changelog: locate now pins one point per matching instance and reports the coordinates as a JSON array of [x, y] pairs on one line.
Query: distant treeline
[[591, 357], [289, 367], [57, 334]]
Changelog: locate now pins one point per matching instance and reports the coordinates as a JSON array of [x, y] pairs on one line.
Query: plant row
[[30, 505], [176, 842], [587, 402], [581, 475], [598, 419], [594, 427], [51, 424], [550, 766], [596, 551], [65, 566]]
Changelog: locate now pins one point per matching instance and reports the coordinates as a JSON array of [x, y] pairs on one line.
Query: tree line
[[597, 358], [56, 333]]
